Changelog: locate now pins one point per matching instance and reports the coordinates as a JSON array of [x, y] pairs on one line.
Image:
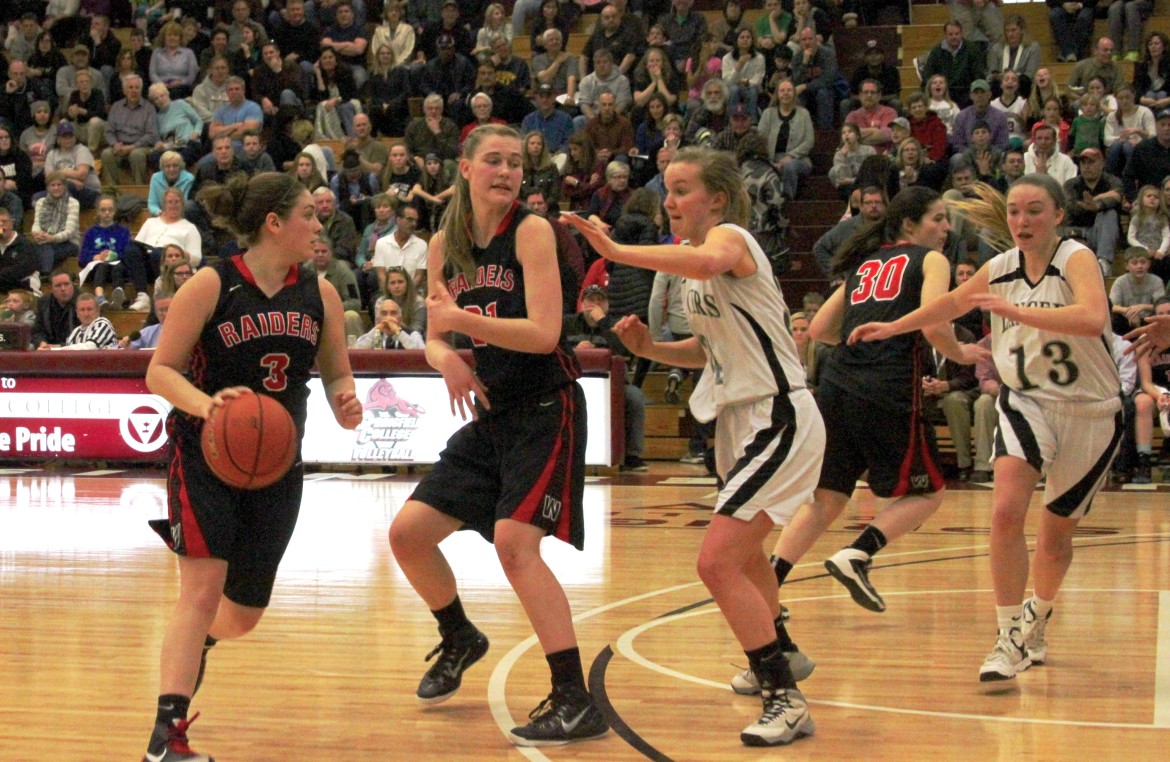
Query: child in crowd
[[1088, 129], [1149, 229], [1134, 293], [104, 245]]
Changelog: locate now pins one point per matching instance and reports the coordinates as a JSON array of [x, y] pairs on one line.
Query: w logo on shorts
[[550, 509]]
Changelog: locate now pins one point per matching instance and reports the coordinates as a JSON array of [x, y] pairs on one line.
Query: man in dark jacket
[[18, 258], [56, 313], [957, 60]]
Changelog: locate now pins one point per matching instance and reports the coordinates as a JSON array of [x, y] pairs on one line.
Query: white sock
[[1041, 607], [1009, 617]]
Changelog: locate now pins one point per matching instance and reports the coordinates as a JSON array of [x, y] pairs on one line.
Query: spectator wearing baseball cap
[[65, 80], [1093, 200], [739, 125], [1150, 164], [553, 123], [980, 110], [452, 26]]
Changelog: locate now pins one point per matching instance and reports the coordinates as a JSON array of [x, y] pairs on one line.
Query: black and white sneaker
[[747, 684], [563, 717], [785, 719], [1035, 633], [850, 567], [457, 653], [168, 743], [1007, 659]]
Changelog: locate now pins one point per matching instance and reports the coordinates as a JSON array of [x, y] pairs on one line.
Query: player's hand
[[461, 384], [996, 305], [347, 409], [973, 353], [871, 332], [442, 312], [1150, 338], [219, 398], [596, 236], [634, 334]]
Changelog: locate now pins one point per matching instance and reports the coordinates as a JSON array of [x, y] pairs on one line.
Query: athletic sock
[[171, 707], [1009, 617], [1041, 607], [567, 673], [782, 637], [771, 667], [451, 618], [782, 568], [1146, 449], [870, 541]]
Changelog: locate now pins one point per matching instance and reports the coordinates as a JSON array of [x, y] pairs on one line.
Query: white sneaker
[[1007, 659], [117, 298], [746, 684], [850, 567], [141, 302], [785, 719], [1035, 639]]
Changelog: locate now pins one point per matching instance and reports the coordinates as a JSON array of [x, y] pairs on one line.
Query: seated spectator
[[77, 164], [1152, 400], [1150, 163], [1151, 77], [1072, 27], [105, 245], [1016, 52], [241, 11], [540, 172], [508, 104], [1012, 170], [16, 97], [338, 227], [981, 154], [55, 229], [353, 188], [276, 82], [699, 69], [743, 71], [237, 116], [972, 320], [872, 118], [335, 91], [550, 15], [605, 207], [22, 36], [927, 128], [1013, 106], [847, 159], [171, 64], [19, 307], [401, 288], [1053, 116], [222, 164], [611, 133], [447, 74], [1129, 124], [592, 328], [583, 174], [872, 208], [389, 88], [773, 26], [1094, 199], [684, 30], [938, 93], [255, 158], [1100, 64], [570, 261], [481, 108], [388, 331], [766, 221], [175, 272], [131, 134], [19, 261], [605, 78], [815, 73], [1088, 128], [791, 159], [85, 108], [147, 338], [39, 136], [738, 127], [401, 175], [394, 33], [382, 226], [210, 95], [911, 166], [557, 68], [980, 110], [56, 317], [433, 191], [1134, 293], [511, 71], [179, 127], [92, 331], [874, 67], [1149, 228], [952, 387], [981, 20], [432, 133], [65, 77], [1044, 156], [341, 276], [42, 67], [960, 62], [305, 170], [402, 250], [552, 122], [298, 35], [170, 226], [711, 117], [622, 40], [986, 414], [348, 39], [103, 45]]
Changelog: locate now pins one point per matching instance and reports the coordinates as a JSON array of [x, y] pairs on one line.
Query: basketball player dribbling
[[1059, 404], [220, 340]]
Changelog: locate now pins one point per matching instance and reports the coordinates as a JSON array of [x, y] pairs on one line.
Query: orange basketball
[[250, 442]]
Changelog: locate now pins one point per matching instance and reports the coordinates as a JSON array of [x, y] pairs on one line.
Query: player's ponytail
[[243, 203], [456, 222]]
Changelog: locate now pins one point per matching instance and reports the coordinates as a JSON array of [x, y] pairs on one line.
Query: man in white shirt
[[388, 332], [1044, 156], [402, 249]]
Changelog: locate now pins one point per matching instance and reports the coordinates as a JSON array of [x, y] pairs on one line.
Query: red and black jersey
[[883, 287], [268, 344], [497, 290]]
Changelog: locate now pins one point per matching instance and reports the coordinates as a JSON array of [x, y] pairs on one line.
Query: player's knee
[[515, 554], [1143, 404], [1007, 516], [713, 569]]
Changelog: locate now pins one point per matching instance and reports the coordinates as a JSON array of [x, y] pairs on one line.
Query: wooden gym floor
[[330, 673]]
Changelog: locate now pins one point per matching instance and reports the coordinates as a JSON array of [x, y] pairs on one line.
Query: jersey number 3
[[880, 281], [277, 364]]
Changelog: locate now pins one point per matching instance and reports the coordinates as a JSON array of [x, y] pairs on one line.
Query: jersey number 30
[[880, 281]]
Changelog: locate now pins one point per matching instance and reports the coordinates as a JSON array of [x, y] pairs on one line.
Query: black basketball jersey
[[497, 290], [884, 287], [266, 344]]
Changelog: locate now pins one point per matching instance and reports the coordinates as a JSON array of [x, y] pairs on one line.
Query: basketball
[[250, 442]]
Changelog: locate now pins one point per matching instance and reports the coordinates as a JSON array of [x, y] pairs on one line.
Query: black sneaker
[[850, 567], [456, 653], [1141, 474], [169, 744], [671, 395], [634, 464], [563, 717]]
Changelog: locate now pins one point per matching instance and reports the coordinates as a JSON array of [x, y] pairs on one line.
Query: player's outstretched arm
[[723, 251], [1152, 337], [942, 309], [333, 361], [635, 335]]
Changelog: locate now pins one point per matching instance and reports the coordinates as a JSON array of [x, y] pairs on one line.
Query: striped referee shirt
[[97, 335]]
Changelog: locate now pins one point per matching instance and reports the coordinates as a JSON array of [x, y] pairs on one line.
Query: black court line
[[600, 664]]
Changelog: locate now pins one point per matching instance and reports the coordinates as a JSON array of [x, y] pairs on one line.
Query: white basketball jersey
[[1044, 364], [741, 324]]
